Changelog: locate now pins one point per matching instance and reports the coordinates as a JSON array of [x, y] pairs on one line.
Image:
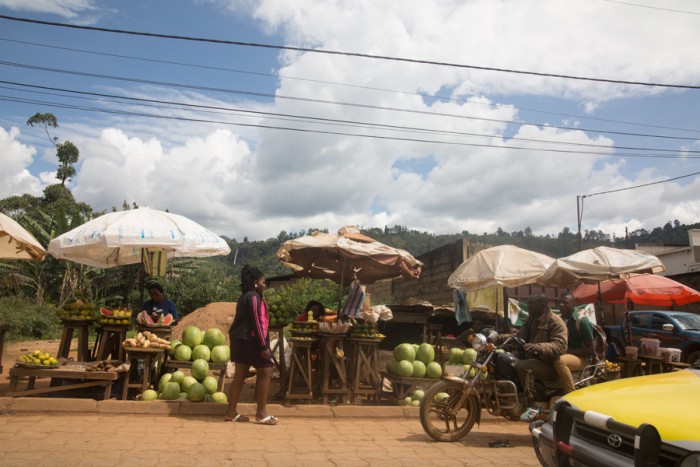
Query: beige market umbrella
[[599, 264], [17, 243], [123, 237], [499, 266], [347, 255]]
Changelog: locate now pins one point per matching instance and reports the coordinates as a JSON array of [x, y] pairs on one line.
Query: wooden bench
[[83, 379]]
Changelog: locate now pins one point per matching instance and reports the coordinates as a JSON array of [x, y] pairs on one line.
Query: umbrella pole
[[340, 290], [142, 275], [600, 307]]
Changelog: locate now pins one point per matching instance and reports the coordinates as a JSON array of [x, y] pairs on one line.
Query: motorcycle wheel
[[436, 408]]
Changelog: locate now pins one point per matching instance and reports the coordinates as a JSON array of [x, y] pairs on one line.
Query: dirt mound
[[215, 315]]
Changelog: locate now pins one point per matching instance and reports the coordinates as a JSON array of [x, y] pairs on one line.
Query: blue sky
[[486, 161]]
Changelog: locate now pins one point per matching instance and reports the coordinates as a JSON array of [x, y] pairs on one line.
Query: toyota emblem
[[614, 441]]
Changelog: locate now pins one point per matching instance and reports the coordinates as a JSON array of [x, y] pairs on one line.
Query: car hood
[[669, 401]]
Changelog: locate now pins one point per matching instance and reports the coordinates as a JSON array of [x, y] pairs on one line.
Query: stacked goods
[[329, 316], [280, 312], [146, 319], [199, 387], [366, 331], [304, 329], [415, 399], [460, 361], [611, 367], [77, 310], [146, 340], [108, 316], [209, 345], [415, 361], [37, 358]]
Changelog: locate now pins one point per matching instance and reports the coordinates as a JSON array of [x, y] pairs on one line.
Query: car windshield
[[688, 322]]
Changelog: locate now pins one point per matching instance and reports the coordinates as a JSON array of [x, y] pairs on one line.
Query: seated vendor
[[158, 305], [316, 308]]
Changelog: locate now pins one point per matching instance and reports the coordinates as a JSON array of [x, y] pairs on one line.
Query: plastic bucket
[[650, 347], [631, 352]]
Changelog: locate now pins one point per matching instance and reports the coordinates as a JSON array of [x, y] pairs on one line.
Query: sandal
[[269, 420], [238, 418]]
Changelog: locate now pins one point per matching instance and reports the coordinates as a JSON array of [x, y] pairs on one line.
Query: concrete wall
[[432, 284]]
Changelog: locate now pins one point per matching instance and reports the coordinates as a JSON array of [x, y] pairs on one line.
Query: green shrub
[[29, 320]]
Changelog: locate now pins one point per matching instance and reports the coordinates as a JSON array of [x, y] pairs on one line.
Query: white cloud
[[71, 9], [15, 158]]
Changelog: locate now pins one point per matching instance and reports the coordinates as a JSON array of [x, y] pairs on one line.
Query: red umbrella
[[642, 289]]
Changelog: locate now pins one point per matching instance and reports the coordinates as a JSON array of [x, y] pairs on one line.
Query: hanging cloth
[[462, 313], [354, 302]]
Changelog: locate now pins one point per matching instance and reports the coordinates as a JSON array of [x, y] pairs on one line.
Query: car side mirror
[[668, 327]]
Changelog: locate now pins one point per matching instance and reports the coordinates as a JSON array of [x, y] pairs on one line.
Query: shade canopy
[[346, 255], [17, 243], [600, 264], [120, 238], [643, 289], [504, 266]]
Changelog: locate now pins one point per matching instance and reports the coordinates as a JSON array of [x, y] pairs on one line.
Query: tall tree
[[66, 152]]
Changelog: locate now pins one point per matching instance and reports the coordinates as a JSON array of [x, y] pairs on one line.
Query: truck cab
[[673, 329]]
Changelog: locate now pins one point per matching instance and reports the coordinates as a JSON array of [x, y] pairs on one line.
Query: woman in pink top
[[250, 346]]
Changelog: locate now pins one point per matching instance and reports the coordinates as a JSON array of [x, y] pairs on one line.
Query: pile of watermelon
[[199, 387], [415, 361], [209, 345]]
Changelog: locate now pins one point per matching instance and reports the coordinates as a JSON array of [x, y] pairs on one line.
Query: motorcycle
[[452, 406]]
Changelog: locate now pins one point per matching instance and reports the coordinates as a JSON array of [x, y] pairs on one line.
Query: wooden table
[[333, 366], [364, 368], [631, 367], [279, 361], [653, 364], [150, 358], [83, 379], [80, 327], [3, 332], [669, 367], [109, 342], [300, 378], [218, 368]]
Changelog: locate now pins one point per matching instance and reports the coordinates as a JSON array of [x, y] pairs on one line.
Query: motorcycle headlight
[[691, 460], [479, 342]]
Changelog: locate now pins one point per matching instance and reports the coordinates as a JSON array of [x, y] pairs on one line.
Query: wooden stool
[[3, 331], [653, 364], [668, 367], [109, 342], [81, 328], [333, 358], [150, 358], [365, 378], [300, 369], [434, 334]]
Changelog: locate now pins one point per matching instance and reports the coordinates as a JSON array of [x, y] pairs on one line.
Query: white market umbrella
[[499, 266], [17, 243], [120, 238]]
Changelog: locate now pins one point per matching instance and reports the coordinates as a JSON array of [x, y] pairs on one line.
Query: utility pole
[[579, 214]]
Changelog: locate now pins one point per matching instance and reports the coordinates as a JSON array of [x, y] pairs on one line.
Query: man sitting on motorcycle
[[545, 337], [580, 337]]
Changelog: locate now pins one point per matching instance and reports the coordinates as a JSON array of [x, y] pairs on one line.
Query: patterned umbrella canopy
[[345, 256]]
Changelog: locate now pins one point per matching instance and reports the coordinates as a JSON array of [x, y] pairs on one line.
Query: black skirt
[[247, 352]]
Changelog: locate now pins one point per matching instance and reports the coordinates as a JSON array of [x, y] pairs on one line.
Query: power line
[[640, 186], [349, 54], [319, 120], [327, 102], [335, 83], [335, 133], [652, 7]]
